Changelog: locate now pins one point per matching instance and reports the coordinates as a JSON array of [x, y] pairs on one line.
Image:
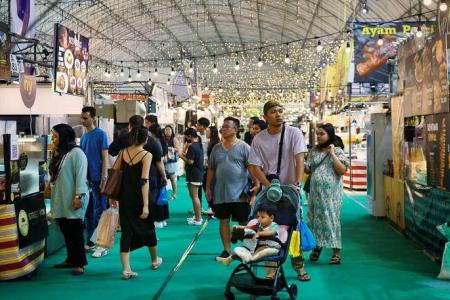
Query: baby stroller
[[244, 277]]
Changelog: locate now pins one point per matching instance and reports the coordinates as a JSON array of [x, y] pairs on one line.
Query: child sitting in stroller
[[260, 237]]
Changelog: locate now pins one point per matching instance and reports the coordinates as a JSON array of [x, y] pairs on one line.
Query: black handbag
[[307, 185]]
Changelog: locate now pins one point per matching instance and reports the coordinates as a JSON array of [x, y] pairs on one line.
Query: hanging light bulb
[[443, 6], [365, 9], [215, 68], [172, 72], [267, 94], [427, 2], [191, 67], [138, 73], [206, 88], [260, 62], [380, 40], [106, 72], [319, 46], [129, 75], [287, 59], [220, 90], [156, 72], [122, 73], [149, 82], [238, 92], [348, 48], [168, 81], [419, 32], [236, 66]]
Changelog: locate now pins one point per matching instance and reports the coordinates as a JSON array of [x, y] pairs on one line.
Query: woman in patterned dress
[[326, 165]]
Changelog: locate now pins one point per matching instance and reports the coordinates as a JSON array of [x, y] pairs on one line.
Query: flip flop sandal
[[156, 264], [315, 254], [304, 277], [335, 260], [128, 275]]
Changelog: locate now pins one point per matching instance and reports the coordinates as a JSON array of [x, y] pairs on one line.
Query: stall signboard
[[71, 61], [437, 150], [371, 56], [398, 125], [23, 18], [31, 219], [439, 75], [136, 97], [5, 47], [414, 150]]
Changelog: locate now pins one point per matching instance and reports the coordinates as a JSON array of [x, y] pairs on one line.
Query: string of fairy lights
[[230, 73]]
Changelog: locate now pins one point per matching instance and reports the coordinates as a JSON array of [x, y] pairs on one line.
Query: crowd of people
[[228, 169]]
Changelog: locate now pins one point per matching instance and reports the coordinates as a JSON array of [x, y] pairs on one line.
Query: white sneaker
[[159, 225], [164, 223], [209, 211], [192, 221], [99, 252]]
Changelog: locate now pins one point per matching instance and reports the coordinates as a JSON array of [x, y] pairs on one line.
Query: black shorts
[[237, 211]]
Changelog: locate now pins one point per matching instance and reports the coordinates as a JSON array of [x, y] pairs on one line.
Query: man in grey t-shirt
[[263, 159], [228, 167]]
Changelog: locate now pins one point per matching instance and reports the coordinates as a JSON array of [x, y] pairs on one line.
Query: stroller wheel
[[293, 291], [229, 296]]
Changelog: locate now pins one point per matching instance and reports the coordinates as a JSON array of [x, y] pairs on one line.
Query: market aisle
[[378, 263]]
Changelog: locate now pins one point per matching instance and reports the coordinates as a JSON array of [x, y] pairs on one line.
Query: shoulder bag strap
[[280, 150], [119, 158], [318, 165]]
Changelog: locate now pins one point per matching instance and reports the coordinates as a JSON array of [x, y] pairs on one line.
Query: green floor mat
[[377, 263]]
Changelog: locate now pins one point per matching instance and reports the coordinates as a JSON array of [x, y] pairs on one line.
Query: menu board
[[440, 79], [71, 61], [437, 151], [424, 78]]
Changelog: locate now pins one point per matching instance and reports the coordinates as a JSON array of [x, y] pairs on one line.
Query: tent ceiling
[[168, 30]]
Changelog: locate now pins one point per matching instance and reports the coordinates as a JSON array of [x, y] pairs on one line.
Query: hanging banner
[[27, 85], [71, 61], [23, 18], [371, 55]]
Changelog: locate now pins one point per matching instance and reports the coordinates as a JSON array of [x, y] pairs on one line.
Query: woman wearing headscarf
[[326, 164], [70, 195]]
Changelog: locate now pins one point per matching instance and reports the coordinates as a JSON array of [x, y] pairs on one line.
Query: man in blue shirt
[[95, 145]]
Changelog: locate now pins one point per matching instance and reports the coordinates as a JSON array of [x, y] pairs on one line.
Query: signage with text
[[71, 61]]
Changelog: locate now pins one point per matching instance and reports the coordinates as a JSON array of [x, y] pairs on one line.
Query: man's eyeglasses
[[226, 127]]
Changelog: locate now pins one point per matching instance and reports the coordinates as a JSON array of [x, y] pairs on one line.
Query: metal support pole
[[349, 90]]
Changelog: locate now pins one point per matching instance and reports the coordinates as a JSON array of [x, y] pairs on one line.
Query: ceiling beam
[[121, 20], [215, 26], [236, 25], [92, 30], [148, 12], [258, 11], [316, 11], [189, 24]]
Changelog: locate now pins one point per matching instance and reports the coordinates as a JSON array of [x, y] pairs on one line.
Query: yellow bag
[[294, 246]]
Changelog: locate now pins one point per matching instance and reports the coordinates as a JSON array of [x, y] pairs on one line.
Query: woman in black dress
[[136, 223]]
